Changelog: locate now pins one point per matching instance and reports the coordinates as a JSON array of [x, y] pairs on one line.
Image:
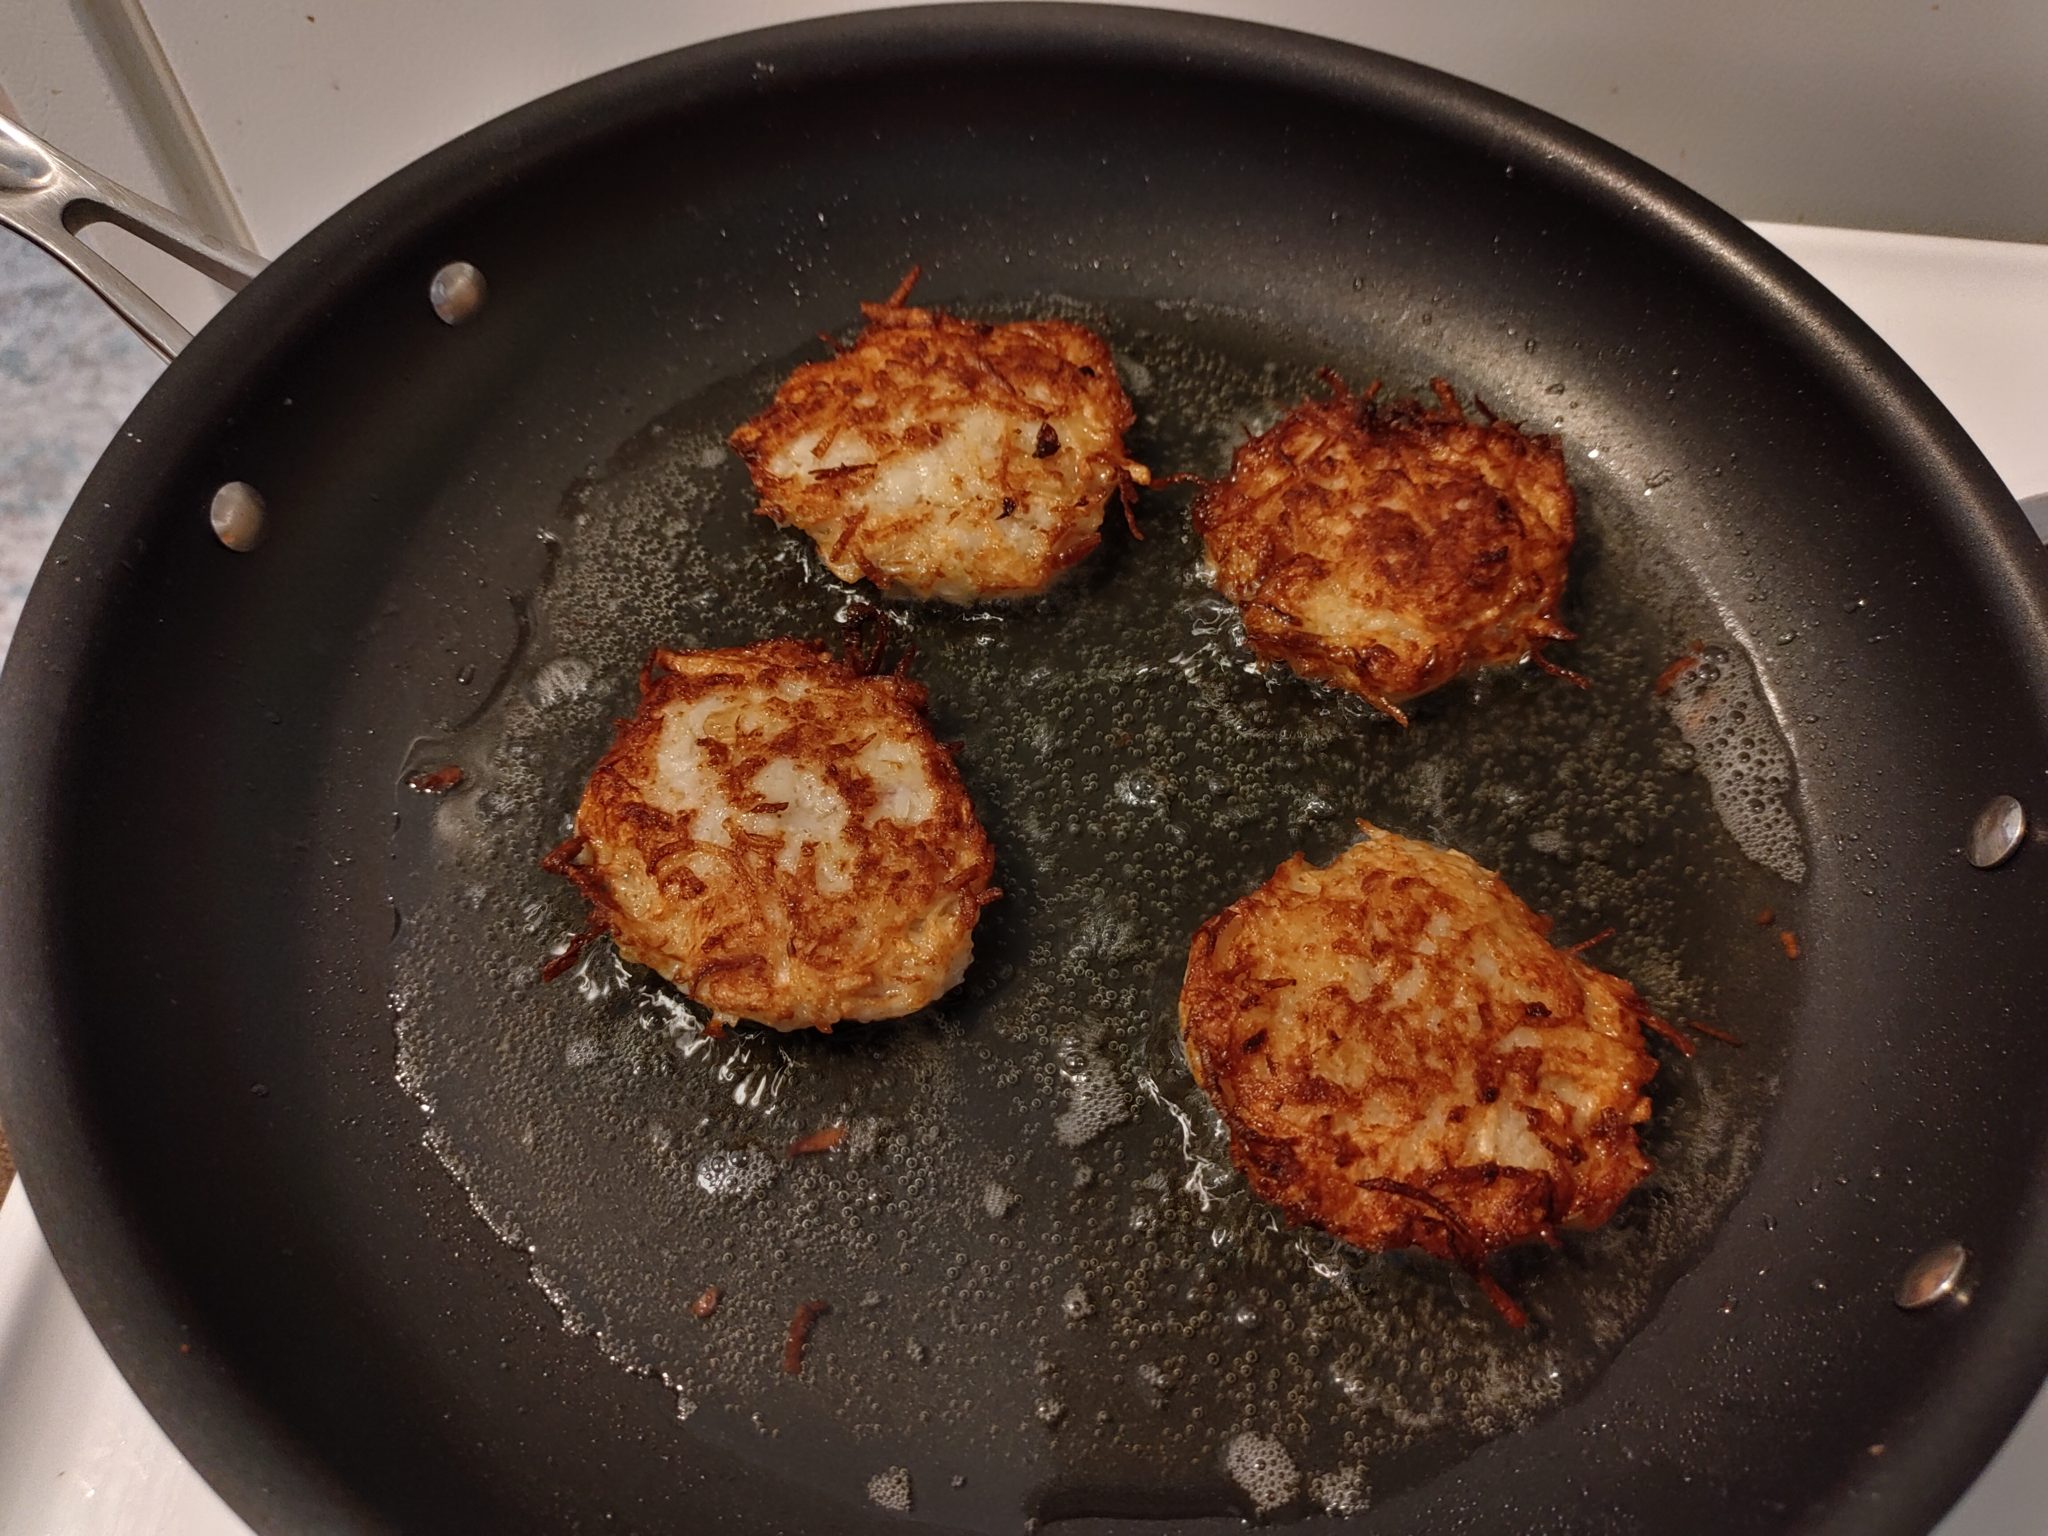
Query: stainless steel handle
[[48, 197]]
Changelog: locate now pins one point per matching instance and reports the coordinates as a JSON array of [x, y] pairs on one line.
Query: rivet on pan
[[237, 516], [1998, 831], [1937, 1275], [458, 292]]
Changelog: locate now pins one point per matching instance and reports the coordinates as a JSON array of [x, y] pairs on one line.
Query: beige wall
[[1926, 115]]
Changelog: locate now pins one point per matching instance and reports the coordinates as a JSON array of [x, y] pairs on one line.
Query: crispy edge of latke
[[1275, 634], [661, 683]]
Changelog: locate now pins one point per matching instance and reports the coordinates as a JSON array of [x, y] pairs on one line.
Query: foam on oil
[[1044, 1276]]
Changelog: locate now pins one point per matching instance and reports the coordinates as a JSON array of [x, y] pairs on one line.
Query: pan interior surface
[[1045, 1279], [259, 999]]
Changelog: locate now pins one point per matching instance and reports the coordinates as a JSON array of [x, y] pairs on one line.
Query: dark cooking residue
[[1043, 1269]]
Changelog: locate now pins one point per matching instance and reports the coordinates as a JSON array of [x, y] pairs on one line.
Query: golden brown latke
[[1405, 1061], [945, 458], [779, 834], [1387, 548]]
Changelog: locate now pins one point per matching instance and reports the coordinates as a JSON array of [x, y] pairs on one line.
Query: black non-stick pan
[[394, 1238]]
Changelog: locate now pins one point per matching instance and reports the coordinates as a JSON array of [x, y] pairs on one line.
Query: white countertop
[[80, 1457]]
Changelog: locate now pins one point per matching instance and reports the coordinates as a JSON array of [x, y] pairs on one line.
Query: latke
[[1403, 1059], [779, 834], [947, 458], [1385, 549]]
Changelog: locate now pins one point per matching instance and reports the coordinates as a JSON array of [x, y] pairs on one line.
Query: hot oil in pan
[[1050, 1294]]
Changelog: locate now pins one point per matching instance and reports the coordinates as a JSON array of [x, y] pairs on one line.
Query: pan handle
[[48, 197]]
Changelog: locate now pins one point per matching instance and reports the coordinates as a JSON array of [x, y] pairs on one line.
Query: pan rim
[[237, 1443]]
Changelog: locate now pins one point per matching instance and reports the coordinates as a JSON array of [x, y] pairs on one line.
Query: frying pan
[[391, 1238]]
